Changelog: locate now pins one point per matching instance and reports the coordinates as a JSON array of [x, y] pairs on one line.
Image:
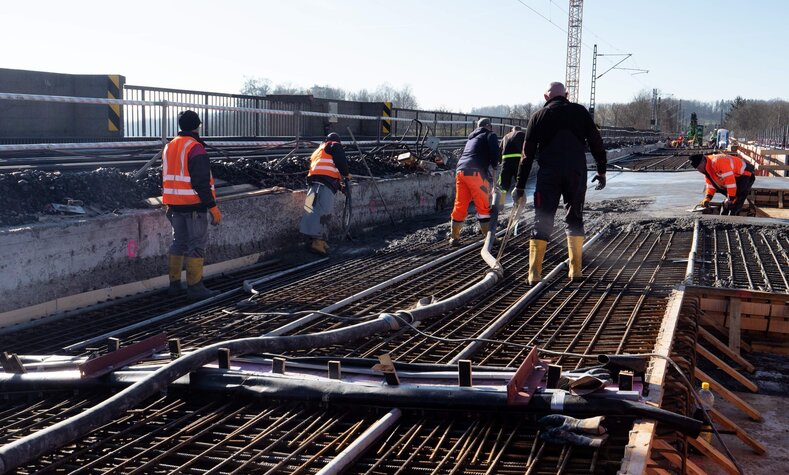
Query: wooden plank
[[670, 453], [738, 431], [749, 410], [715, 455], [720, 346], [727, 369], [734, 325]]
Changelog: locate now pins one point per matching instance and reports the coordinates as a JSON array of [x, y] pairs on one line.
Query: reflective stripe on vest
[[321, 163], [511, 155], [176, 182]]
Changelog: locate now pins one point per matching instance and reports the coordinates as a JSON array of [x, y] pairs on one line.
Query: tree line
[[403, 97]]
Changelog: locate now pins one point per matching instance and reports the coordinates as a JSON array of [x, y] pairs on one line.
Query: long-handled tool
[[370, 173]]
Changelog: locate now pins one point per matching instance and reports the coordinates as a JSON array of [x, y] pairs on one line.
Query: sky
[[454, 54]]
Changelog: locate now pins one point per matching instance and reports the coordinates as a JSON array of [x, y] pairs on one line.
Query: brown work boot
[[319, 246], [484, 228], [454, 239]]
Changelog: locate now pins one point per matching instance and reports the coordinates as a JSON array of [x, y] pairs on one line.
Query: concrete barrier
[[46, 261]]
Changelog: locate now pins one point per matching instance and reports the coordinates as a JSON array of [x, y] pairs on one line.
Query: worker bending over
[[188, 192], [328, 166], [556, 138], [473, 178], [727, 174], [511, 154]]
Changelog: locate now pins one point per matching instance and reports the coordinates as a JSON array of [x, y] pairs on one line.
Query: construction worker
[[511, 154], [723, 138], [556, 137], [328, 166], [727, 174], [188, 192], [473, 178]]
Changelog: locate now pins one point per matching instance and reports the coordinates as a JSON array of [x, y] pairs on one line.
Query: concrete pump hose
[[28, 448]]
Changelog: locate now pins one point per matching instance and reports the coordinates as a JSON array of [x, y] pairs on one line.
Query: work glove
[[601, 181], [729, 203], [216, 216], [518, 194], [705, 202]]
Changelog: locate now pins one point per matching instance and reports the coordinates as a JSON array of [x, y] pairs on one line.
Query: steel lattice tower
[[574, 48]]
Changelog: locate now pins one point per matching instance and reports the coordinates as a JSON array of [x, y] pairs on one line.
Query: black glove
[[601, 180], [518, 194]]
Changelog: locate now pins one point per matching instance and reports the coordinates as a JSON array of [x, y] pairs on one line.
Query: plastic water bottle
[[707, 400]]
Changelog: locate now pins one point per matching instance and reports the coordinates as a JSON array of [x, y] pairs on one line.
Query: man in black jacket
[[556, 137], [511, 154], [473, 178]]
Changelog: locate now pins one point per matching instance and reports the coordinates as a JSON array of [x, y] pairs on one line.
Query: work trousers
[[744, 184], [552, 183], [190, 232], [509, 172], [471, 186], [319, 208]]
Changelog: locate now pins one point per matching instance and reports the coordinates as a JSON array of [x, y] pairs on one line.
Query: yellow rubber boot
[[195, 289], [176, 264], [575, 250], [536, 255], [502, 199], [454, 239]]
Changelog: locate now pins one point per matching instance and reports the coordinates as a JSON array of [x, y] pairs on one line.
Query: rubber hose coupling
[[391, 320]]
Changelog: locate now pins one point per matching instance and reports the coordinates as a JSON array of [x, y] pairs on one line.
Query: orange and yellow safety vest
[[176, 182], [321, 163], [722, 172]]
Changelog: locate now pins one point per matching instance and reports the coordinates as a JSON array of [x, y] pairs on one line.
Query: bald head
[[555, 89]]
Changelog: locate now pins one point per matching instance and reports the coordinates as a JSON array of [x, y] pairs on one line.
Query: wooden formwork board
[[638, 450]]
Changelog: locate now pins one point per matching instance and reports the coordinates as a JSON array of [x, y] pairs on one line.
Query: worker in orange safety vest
[[188, 192], [727, 174]]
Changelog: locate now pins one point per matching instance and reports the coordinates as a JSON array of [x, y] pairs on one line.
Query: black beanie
[[695, 160], [188, 120], [332, 137]]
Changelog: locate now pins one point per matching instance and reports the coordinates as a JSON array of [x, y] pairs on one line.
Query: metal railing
[[776, 137]]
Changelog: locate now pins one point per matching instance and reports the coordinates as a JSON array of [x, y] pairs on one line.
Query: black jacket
[[513, 143], [340, 161], [481, 152], [557, 136]]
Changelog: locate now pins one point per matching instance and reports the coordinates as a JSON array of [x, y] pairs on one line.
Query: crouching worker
[[728, 175], [328, 166], [473, 178], [188, 192]]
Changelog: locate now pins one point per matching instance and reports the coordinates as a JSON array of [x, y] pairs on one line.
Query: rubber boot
[[195, 289], [454, 239], [484, 228], [575, 250], [502, 199], [536, 255], [176, 264], [319, 247]]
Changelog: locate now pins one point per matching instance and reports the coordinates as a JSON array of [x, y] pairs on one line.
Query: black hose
[[25, 449]]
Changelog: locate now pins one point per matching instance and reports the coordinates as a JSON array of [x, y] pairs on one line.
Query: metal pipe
[[691, 269], [25, 449], [360, 295], [361, 444], [173, 313], [518, 306]]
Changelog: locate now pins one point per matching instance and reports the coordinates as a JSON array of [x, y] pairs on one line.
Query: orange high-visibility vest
[[724, 169], [176, 182], [321, 163]]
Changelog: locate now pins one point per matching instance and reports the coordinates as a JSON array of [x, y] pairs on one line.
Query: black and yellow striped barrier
[[386, 123], [114, 92]]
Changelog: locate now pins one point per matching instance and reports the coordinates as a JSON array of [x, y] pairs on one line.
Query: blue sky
[[457, 54]]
